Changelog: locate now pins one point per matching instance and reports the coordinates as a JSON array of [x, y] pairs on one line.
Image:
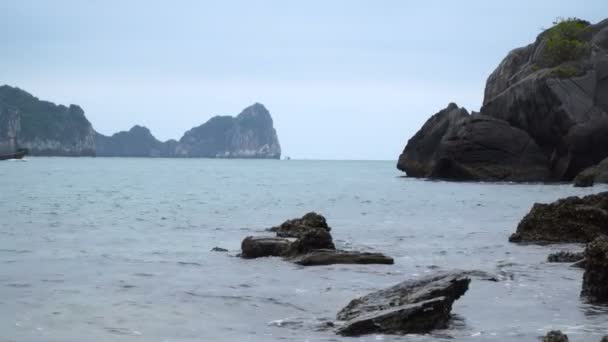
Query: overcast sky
[[342, 79]]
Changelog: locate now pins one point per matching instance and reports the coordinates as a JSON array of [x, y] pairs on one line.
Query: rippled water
[[119, 250]]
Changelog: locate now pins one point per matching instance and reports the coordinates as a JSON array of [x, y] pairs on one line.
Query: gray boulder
[[263, 246], [414, 306], [595, 279], [592, 175], [571, 219], [297, 227], [331, 257]]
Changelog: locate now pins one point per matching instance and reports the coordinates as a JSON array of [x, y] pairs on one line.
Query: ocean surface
[[106, 249]]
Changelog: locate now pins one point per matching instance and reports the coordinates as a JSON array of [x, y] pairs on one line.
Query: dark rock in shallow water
[[604, 339], [595, 279], [555, 336], [263, 246], [219, 249], [330, 257], [414, 306], [297, 227], [542, 119], [310, 241], [571, 219], [565, 256], [592, 175]]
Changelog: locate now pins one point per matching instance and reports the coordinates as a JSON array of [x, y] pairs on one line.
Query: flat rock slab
[[263, 246], [413, 306], [330, 257]]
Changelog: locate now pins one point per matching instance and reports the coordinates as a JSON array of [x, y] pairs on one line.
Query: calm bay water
[[104, 249]]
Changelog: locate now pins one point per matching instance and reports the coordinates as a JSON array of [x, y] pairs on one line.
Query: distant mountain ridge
[[56, 130]]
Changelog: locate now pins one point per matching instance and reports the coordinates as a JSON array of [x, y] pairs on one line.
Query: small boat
[[20, 153]]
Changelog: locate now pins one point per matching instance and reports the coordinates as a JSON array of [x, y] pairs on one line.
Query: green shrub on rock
[[566, 41]]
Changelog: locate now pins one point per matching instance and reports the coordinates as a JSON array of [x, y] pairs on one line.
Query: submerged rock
[[297, 227], [330, 257], [555, 336], [263, 246], [563, 256], [571, 219], [413, 306], [219, 249], [595, 279]]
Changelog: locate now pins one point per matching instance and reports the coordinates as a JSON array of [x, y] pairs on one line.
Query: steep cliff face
[[137, 142], [250, 135], [49, 129], [544, 117], [10, 128]]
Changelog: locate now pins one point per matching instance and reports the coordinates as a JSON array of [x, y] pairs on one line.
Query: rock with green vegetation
[[550, 103], [49, 129]]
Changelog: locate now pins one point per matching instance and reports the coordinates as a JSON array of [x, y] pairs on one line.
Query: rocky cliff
[[46, 128], [544, 116], [10, 128], [249, 135]]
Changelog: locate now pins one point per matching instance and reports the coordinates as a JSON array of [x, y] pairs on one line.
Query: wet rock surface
[[413, 306], [571, 219], [595, 279], [330, 257]]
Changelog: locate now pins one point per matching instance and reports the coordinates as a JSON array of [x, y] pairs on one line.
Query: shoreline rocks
[[592, 175], [564, 256], [413, 306], [572, 219], [331, 257]]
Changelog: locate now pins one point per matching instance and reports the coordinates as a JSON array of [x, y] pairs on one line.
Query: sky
[[342, 79]]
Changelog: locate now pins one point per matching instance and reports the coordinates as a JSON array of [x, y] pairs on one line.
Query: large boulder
[[550, 109], [263, 246], [414, 306], [331, 257], [595, 279], [594, 174], [297, 227], [311, 240], [571, 219]]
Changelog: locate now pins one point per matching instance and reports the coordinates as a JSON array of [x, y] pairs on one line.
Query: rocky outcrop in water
[[46, 128], [595, 279], [544, 115], [555, 336], [411, 307], [571, 219], [306, 241], [564, 256], [137, 142], [592, 175]]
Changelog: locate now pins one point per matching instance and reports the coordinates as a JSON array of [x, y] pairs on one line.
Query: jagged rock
[[571, 219], [249, 135], [297, 227], [330, 257], [550, 119], [592, 175], [263, 246], [563, 256], [49, 129], [413, 306], [595, 279], [311, 240], [555, 336]]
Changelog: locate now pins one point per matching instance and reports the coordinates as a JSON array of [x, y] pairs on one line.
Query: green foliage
[[565, 71], [566, 41]]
